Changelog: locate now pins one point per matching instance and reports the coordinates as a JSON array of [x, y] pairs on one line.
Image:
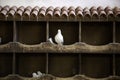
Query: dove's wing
[[50, 40], [59, 39]]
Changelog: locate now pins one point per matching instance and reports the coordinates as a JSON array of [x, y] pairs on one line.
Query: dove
[[34, 75], [59, 38], [39, 73], [50, 40]]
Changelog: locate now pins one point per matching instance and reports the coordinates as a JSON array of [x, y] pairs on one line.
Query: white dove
[[59, 38], [34, 75], [50, 40], [39, 73]]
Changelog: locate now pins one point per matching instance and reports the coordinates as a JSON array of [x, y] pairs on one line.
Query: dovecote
[[91, 49]]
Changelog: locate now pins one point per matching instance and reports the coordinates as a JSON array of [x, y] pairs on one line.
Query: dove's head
[[59, 31]]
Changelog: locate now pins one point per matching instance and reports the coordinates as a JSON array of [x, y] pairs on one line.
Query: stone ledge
[[51, 77], [47, 47]]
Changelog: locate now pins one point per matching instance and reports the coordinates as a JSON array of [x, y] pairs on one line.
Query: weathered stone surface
[[46, 47], [50, 77]]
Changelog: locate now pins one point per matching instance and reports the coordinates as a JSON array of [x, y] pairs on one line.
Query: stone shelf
[[51, 77], [78, 47]]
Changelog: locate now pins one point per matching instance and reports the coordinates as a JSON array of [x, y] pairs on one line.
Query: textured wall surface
[[82, 3]]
